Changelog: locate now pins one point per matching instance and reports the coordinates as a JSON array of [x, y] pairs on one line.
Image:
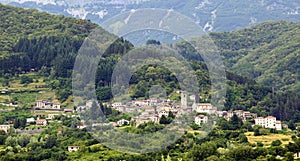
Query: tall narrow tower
[[183, 99], [197, 98]]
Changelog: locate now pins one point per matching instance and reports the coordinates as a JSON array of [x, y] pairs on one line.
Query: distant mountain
[[268, 52], [212, 15]]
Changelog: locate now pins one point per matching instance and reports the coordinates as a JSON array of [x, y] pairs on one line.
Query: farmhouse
[[268, 122], [73, 148], [41, 122], [5, 128], [204, 108], [43, 104], [30, 120], [201, 119], [123, 122]]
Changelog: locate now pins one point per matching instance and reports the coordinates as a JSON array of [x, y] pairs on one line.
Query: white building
[[204, 108], [153, 118], [81, 126], [153, 101], [51, 116], [268, 122], [163, 112], [141, 102], [201, 119], [30, 120], [260, 121], [5, 128], [297, 155], [73, 148], [43, 104], [116, 104], [278, 125], [123, 122]]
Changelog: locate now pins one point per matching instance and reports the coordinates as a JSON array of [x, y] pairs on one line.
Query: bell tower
[[183, 99]]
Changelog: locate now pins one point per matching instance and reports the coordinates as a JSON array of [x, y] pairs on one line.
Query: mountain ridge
[[212, 15]]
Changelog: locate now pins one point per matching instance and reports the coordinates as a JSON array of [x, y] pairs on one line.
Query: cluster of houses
[[38, 122], [44, 111], [50, 110], [153, 109], [149, 110]]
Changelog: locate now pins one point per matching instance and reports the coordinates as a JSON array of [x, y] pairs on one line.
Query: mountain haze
[[212, 15]]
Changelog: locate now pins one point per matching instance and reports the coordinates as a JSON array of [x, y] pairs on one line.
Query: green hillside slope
[[17, 22], [268, 52]]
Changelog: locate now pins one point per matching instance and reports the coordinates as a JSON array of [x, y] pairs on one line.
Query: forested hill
[[30, 38], [268, 52]]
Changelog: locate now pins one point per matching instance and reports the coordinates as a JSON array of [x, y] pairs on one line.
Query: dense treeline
[[41, 52], [19, 23], [268, 53], [285, 106]]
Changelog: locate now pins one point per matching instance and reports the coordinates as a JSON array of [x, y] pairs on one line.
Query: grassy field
[[28, 99], [27, 94], [268, 139]]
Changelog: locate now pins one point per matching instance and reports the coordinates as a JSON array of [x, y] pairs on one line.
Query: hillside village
[[150, 110], [153, 109]]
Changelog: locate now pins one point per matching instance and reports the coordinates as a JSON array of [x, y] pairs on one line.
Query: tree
[[22, 122], [154, 42], [165, 120], [11, 141], [95, 111], [199, 152], [171, 115], [3, 136], [289, 156], [26, 80], [23, 140], [16, 123], [50, 141], [276, 143], [236, 122], [242, 153], [243, 138]]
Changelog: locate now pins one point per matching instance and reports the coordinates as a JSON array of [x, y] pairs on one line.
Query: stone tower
[[183, 99]]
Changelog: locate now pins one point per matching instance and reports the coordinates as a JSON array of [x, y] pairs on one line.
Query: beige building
[[5, 128], [41, 122], [73, 148]]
